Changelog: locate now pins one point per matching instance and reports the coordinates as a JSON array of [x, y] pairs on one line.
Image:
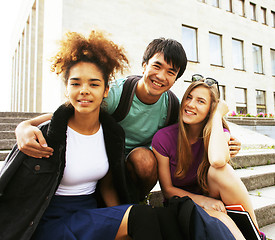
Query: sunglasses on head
[[208, 81]]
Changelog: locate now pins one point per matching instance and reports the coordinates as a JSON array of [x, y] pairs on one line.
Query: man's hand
[[234, 146], [30, 141]]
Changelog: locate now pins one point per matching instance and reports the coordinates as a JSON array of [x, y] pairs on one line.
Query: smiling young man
[[164, 61]]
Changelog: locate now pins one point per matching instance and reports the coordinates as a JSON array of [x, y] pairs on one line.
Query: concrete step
[[11, 120], [7, 144], [257, 177], [1, 164], [8, 126], [3, 155], [19, 114], [269, 230], [7, 135], [251, 140], [263, 201], [253, 159]]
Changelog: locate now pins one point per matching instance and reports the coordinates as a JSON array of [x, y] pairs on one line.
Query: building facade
[[232, 41]]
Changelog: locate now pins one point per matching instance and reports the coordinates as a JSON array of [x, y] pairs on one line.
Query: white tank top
[[86, 163]]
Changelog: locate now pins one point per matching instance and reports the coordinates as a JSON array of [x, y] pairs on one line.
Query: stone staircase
[[255, 166], [8, 123]]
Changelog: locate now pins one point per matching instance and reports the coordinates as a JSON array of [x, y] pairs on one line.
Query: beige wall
[[134, 24]]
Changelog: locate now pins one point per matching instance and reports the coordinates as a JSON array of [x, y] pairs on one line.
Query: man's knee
[[143, 162]]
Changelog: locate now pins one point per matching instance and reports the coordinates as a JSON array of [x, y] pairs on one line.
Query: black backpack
[[127, 96]]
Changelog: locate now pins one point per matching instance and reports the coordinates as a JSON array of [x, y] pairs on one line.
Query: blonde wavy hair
[[184, 153]]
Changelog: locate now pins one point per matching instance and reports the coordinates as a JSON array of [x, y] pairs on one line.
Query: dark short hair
[[172, 50]]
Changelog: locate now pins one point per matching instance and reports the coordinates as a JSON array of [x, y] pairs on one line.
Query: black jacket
[[27, 184]]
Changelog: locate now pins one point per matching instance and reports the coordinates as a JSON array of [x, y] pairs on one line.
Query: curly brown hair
[[97, 49]]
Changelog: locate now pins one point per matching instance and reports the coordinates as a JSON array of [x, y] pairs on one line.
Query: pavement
[[252, 141]]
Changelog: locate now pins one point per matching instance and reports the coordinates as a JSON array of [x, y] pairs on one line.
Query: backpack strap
[[173, 109], [126, 98]]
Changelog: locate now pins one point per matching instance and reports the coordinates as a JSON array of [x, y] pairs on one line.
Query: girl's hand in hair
[[222, 108]]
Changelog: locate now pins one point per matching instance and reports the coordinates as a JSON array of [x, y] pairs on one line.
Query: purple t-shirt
[[165, 142]]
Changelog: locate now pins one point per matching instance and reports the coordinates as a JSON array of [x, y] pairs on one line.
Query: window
[[240, 96], [272, 53], [237, 51], [257, 58], [222, 92], [228, 5], [240, 7], [260, 101], [273, 19], [215, 41], [263, 15], [215, 3], [253, 11], [189, 36]]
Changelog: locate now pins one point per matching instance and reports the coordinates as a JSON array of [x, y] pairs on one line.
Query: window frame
[[254, 59], [222, 92], [229, 5], [242, 104], [218, 63], [260, 105], [253, 14], [242, 54], [272, 56], [216, 3], [238, 4], [186, 48], [273, 18], [263, 18]]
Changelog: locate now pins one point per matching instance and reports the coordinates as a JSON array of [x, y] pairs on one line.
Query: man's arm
[[234, 146], [30, 139]]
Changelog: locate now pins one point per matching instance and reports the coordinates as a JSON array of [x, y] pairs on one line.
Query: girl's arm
[[218, 151], [108, 191], [169, 190]]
